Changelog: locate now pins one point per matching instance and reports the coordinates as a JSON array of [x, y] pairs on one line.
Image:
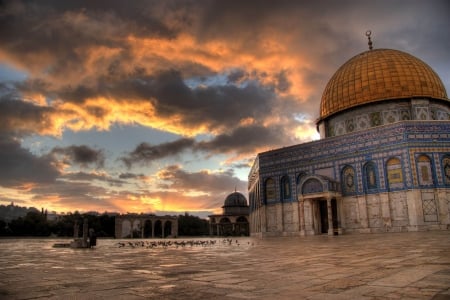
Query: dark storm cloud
[[18, 166], [180, 179], [81, 155], [147, 153]]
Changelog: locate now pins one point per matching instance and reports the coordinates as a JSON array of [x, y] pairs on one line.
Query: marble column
[[330, 216]]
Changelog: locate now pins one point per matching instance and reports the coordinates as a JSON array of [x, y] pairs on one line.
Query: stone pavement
[[372, 266]]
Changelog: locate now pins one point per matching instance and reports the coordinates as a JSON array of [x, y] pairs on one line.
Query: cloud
[[81, 155], [22, 118], [64, 195], [147, 153], [18, 166], [203, 181], [245, 140], [132, 176], [242, 141], [89, 177]]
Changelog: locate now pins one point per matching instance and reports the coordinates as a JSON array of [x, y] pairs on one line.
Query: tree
[[192, 225]]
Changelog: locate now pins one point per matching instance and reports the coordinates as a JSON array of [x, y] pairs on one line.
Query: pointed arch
[[446, 169], [269, 190], [370, 176], [299, 177], [394, 173], [424, 170], [285, 188], [348, 180]]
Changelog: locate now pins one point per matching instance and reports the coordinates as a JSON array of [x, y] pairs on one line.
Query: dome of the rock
[[379, 75]]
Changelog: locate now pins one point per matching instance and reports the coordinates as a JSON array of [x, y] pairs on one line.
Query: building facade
[[382, 163], [234, 218]]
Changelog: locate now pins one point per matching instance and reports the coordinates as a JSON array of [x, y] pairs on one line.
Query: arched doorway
[[158, 229], [242, 226], [324, 218], [167, 229], [226, 228], [148, 229]]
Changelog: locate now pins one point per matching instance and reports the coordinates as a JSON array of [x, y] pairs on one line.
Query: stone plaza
[[412, 265]]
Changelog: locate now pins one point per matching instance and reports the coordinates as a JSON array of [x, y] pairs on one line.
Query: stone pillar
[[153, 228], [330, 216], [163, 224], [340, 214], [301, 214], [175, 228]]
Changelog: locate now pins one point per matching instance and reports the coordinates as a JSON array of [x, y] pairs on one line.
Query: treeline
[[35, 223]]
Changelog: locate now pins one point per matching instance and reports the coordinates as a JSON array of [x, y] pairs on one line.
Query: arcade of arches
[[145, 226]]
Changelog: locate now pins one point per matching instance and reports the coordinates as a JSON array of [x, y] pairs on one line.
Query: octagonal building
[[382, 163]]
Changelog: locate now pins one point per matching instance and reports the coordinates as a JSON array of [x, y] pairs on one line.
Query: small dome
[[235, 199], [378, 75]]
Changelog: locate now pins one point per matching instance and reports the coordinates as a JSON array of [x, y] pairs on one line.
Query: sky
[[162, 106]]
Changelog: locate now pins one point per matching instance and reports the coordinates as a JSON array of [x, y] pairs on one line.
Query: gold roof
[[378, 75]]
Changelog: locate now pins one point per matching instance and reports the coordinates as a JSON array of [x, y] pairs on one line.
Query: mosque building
[[382, 163], [234, 218]]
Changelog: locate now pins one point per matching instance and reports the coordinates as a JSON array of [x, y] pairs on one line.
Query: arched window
[[394, 173], [370, 176], [348, 180], [424, 170], [299, 177], [285, 188], [270, 190], [446, 169]]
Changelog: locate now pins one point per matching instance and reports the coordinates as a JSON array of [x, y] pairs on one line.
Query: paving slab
[[414, 265]]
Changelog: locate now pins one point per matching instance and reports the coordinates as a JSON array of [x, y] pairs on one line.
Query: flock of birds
[[166, 244]]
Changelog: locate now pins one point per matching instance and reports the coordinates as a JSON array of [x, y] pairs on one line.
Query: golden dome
[[378, 75]]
